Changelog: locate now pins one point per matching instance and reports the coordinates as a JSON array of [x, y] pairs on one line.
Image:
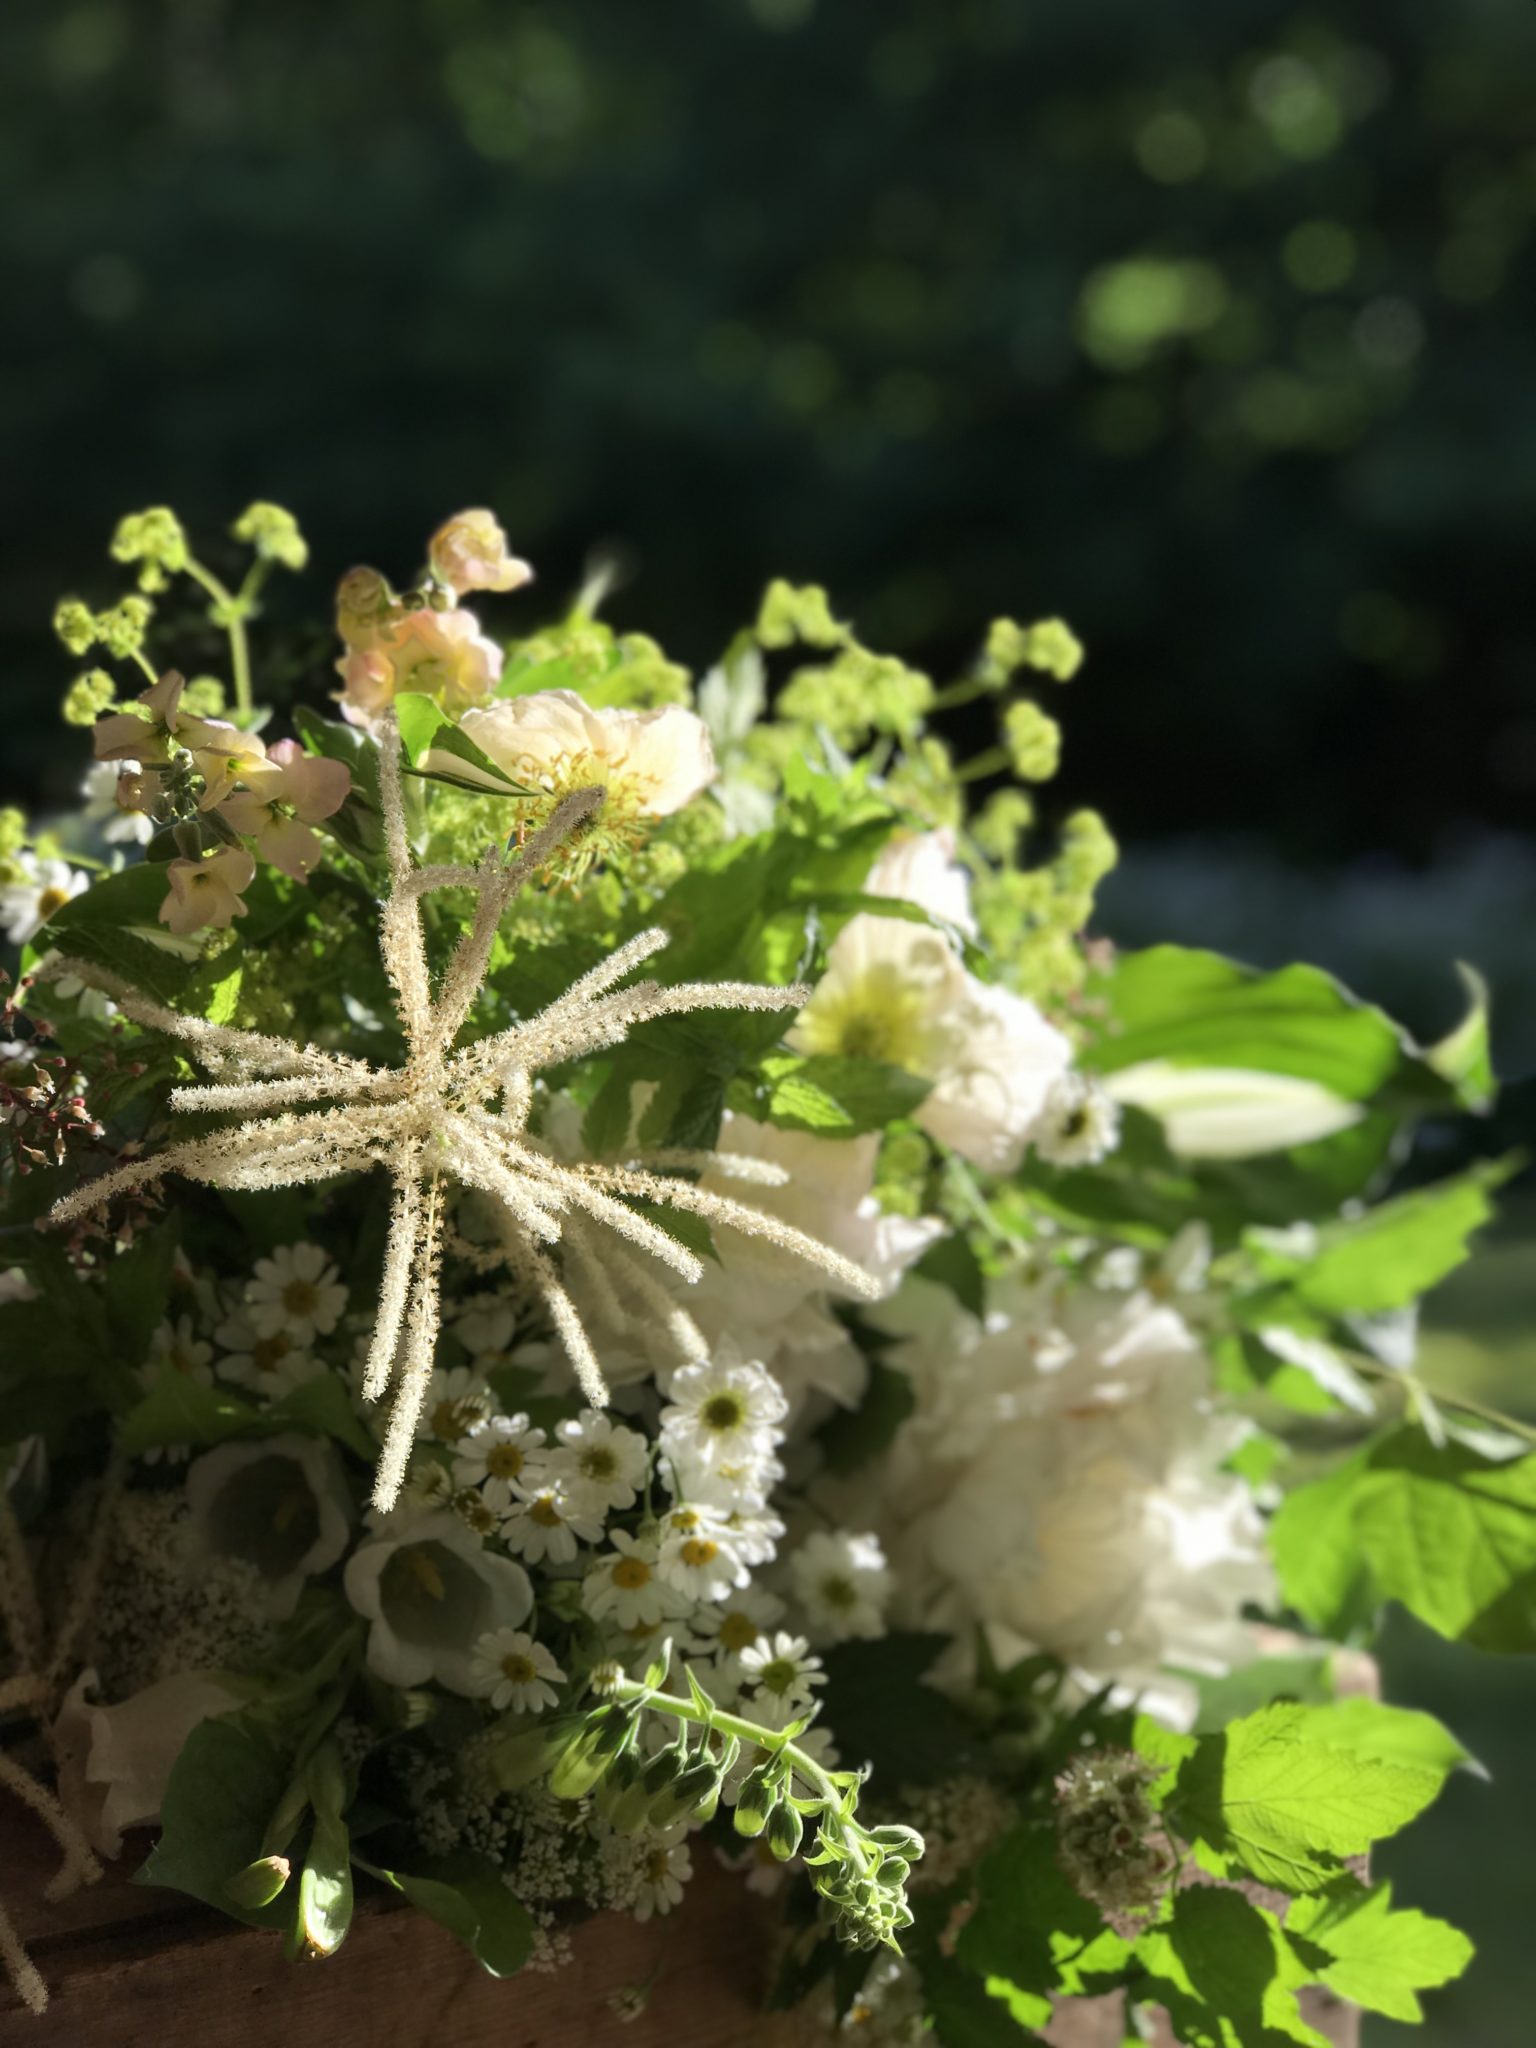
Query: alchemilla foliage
[[600, 1280]]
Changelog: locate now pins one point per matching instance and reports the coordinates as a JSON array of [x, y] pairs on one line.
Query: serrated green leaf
[[1286, 1807], [436, 748], [1223, 1969], [836, 1097], [1449, 1532], [1380, 1959]]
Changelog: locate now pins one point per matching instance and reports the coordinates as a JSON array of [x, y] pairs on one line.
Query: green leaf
[[1447, 1531], [436, 748], [1225, 1972], [179, 1410], [1463, 1057], [1031, 1928], [223, 1789], [137, 1286], [1196, 1009], [1389, 1255], [1271, 1797], [465, 1894], [953, 1264], [325, 1884], [887, 1717], [116, 924], [836, 1097], [1379, 1958]]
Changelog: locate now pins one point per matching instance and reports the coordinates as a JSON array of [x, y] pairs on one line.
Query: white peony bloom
[[279, 1504], [1059, 1483], [431, 1591], [651, 763], [900, 992], [920, 868], [115, 1762], [297, 1291], [842, 1585], [41, 888]]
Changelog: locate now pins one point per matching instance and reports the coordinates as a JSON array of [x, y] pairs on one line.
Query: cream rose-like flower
[[207, 892], [440, 654], [469, 552], [899, 992], [431, 1592], [115, 1761], [278, 1504], [651, 763]]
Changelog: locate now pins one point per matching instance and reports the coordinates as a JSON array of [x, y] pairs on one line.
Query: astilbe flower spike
[[456, 1116]]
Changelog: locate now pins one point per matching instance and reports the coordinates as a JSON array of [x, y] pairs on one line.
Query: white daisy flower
[[722, 1413], [1079, 1124], [511, 1670], [604, 1463], [297, 1290], [754, 1532], [698, 1554], [842, 1585], [735, 1624], [625, 1586], [546, 1523], [733, 1486], [272, 1366], [664, 1869], [457, 1402], [783, 1669], [178, 1348], [42, 887], [103, 810], [496, 1453]]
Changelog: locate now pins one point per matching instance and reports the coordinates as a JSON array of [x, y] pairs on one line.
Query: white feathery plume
[[457, 1117]]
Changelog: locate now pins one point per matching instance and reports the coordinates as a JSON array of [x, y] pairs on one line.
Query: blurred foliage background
[[1208, 325]]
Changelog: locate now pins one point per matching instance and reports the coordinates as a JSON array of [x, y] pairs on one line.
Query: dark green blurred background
[[1207, 324]]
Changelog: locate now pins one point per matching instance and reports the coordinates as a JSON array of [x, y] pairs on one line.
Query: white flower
[[115, 1762], [103, 810], [431, 1592], [722, 1414], [664, 1869], [842, 1585], [484, 1325], [699, 1554], [625, 1586], [1080, 1123], [278, 1503], [512, 1670], [920, 868], [783, 1668], [495, 1454], [737, 1622], [43, 887], [175, 1347], [547, 1521], [297, 1290], [272, 1366], [458, 1401], [651, 763], [603, 1463], [469, 552]]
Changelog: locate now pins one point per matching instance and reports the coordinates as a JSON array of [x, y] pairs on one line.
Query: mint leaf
[[1381, 1958], [1272, 1798]]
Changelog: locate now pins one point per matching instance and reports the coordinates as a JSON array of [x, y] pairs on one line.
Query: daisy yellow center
[[631, 1573], [504, 1461], [684, 1520], [51, 900], [598, 1462], [699, 1550], [453, 1420], [518, 1668], [267, 1353], [181, 1359], [657, 1864], [779, 1674], [545, 1513], [723, 1412], [737, 1633], [839, 1592]]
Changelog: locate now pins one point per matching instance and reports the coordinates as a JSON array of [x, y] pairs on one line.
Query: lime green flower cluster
[[615, 671]]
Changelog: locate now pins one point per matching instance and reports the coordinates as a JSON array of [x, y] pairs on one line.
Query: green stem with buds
[[231, 609]]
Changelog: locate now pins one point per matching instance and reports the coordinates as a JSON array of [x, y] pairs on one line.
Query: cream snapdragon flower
[[470, 552], [650, 763], [900, 992]]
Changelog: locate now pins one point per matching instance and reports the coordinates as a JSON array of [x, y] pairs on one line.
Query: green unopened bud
[[898, 1840], [757, 1798], [121, 630], [589, 1755], [685, 1797], [273, 533], [203, 698], [623, 1796], [1033, 741], [154, 537], [259, 1883], [1052, 647], [75, 624], [785, 1829], [790, 613], [519, 1757], [88, 696]]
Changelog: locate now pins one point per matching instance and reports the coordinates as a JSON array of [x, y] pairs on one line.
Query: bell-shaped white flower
[[431, 1591]]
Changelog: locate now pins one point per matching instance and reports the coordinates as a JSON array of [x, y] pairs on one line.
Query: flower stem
[[231, 611]]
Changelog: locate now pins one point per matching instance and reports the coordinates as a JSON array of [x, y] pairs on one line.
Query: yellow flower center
[[504, 1461], [723, 1412], [267, 1353], [49, 901], [598, 1462], [699, 1550], [520, 1669], [301, 1297], [631, 1573], [737, 1633], [545, 1513]]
